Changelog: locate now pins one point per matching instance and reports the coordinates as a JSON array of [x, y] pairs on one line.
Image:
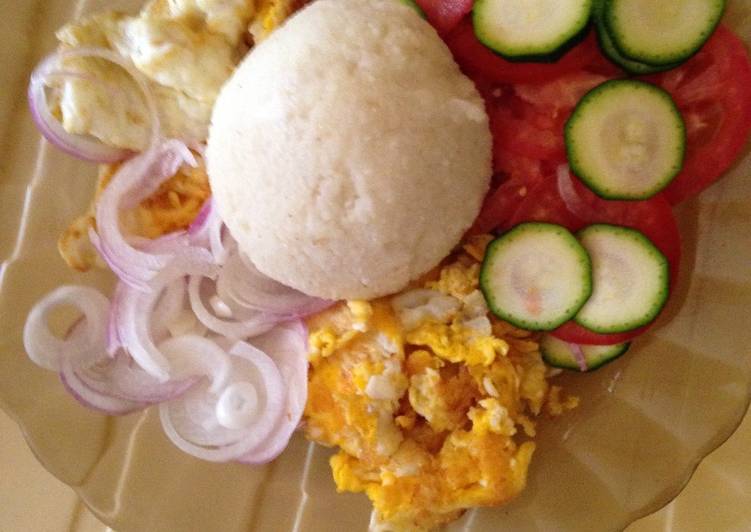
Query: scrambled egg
[[172, 207], [429, 399], [185, 49]]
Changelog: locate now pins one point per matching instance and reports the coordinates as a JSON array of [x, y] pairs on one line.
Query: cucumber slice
[[626, 140], [537, 276], [560, 354], [413, 5], [529, 30], [630, 278], [661, 32], [612, 53]]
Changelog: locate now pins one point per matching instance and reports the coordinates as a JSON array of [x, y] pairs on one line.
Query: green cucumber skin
[[485, 273], [551, 359], [665, 64], [657, 306], [610, 51], [547, 57], [593, 182], [550, 58]]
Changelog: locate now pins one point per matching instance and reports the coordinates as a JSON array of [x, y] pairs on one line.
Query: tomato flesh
[[444, 15], [576, 334], [713, 92]]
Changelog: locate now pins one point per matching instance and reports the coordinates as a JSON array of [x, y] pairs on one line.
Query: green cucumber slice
[[536, 276], [532, 29], [626, 139], [560, 354], [612, 53], [630, 279], [661, 32]]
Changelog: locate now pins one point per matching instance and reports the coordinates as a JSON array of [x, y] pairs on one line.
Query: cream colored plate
[[645, 423]]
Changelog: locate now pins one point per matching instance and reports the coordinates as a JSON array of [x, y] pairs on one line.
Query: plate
[[645, 421]]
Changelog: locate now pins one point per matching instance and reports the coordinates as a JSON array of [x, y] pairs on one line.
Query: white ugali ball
[[348, 154]]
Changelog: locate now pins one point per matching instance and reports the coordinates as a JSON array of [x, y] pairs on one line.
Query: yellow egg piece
[[428, 413]]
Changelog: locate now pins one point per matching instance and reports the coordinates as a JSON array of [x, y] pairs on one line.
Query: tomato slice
[[515, 176], [476, 59], [713, 91], [576, 334], [521, 130], [653, 217], [562, 94], [444, 15], [544, 204]]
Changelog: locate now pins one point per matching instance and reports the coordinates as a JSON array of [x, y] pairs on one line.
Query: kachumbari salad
[[604, 114]]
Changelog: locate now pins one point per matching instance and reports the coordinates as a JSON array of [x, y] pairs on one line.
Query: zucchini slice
[[630, 279], [660, 32], [532, 29], [564, 355], [536, 276], [612, 53], [626, 139]]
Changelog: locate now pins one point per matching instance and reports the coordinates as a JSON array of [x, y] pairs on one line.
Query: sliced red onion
[[287, 346], [113, 335], [241, 285], [192, 355], [86, 391], [219, 249], [574, 203], [201, 221], [91, 398], [208, 231], [134, 181], [121, 379], [168, 309], [224, 426], [581, 360], [198, 147], [134, 317], [251, 325], [46, 349], [80, 146]]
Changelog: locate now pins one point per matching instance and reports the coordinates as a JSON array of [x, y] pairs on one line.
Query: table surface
[[717, 498]]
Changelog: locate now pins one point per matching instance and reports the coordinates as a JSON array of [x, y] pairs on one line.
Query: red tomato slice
[[713, 91], [544, 204], [560, 95], [653, 217], [523, 131], [478, 60], [576, 334], [444, 15], [516, 175]]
